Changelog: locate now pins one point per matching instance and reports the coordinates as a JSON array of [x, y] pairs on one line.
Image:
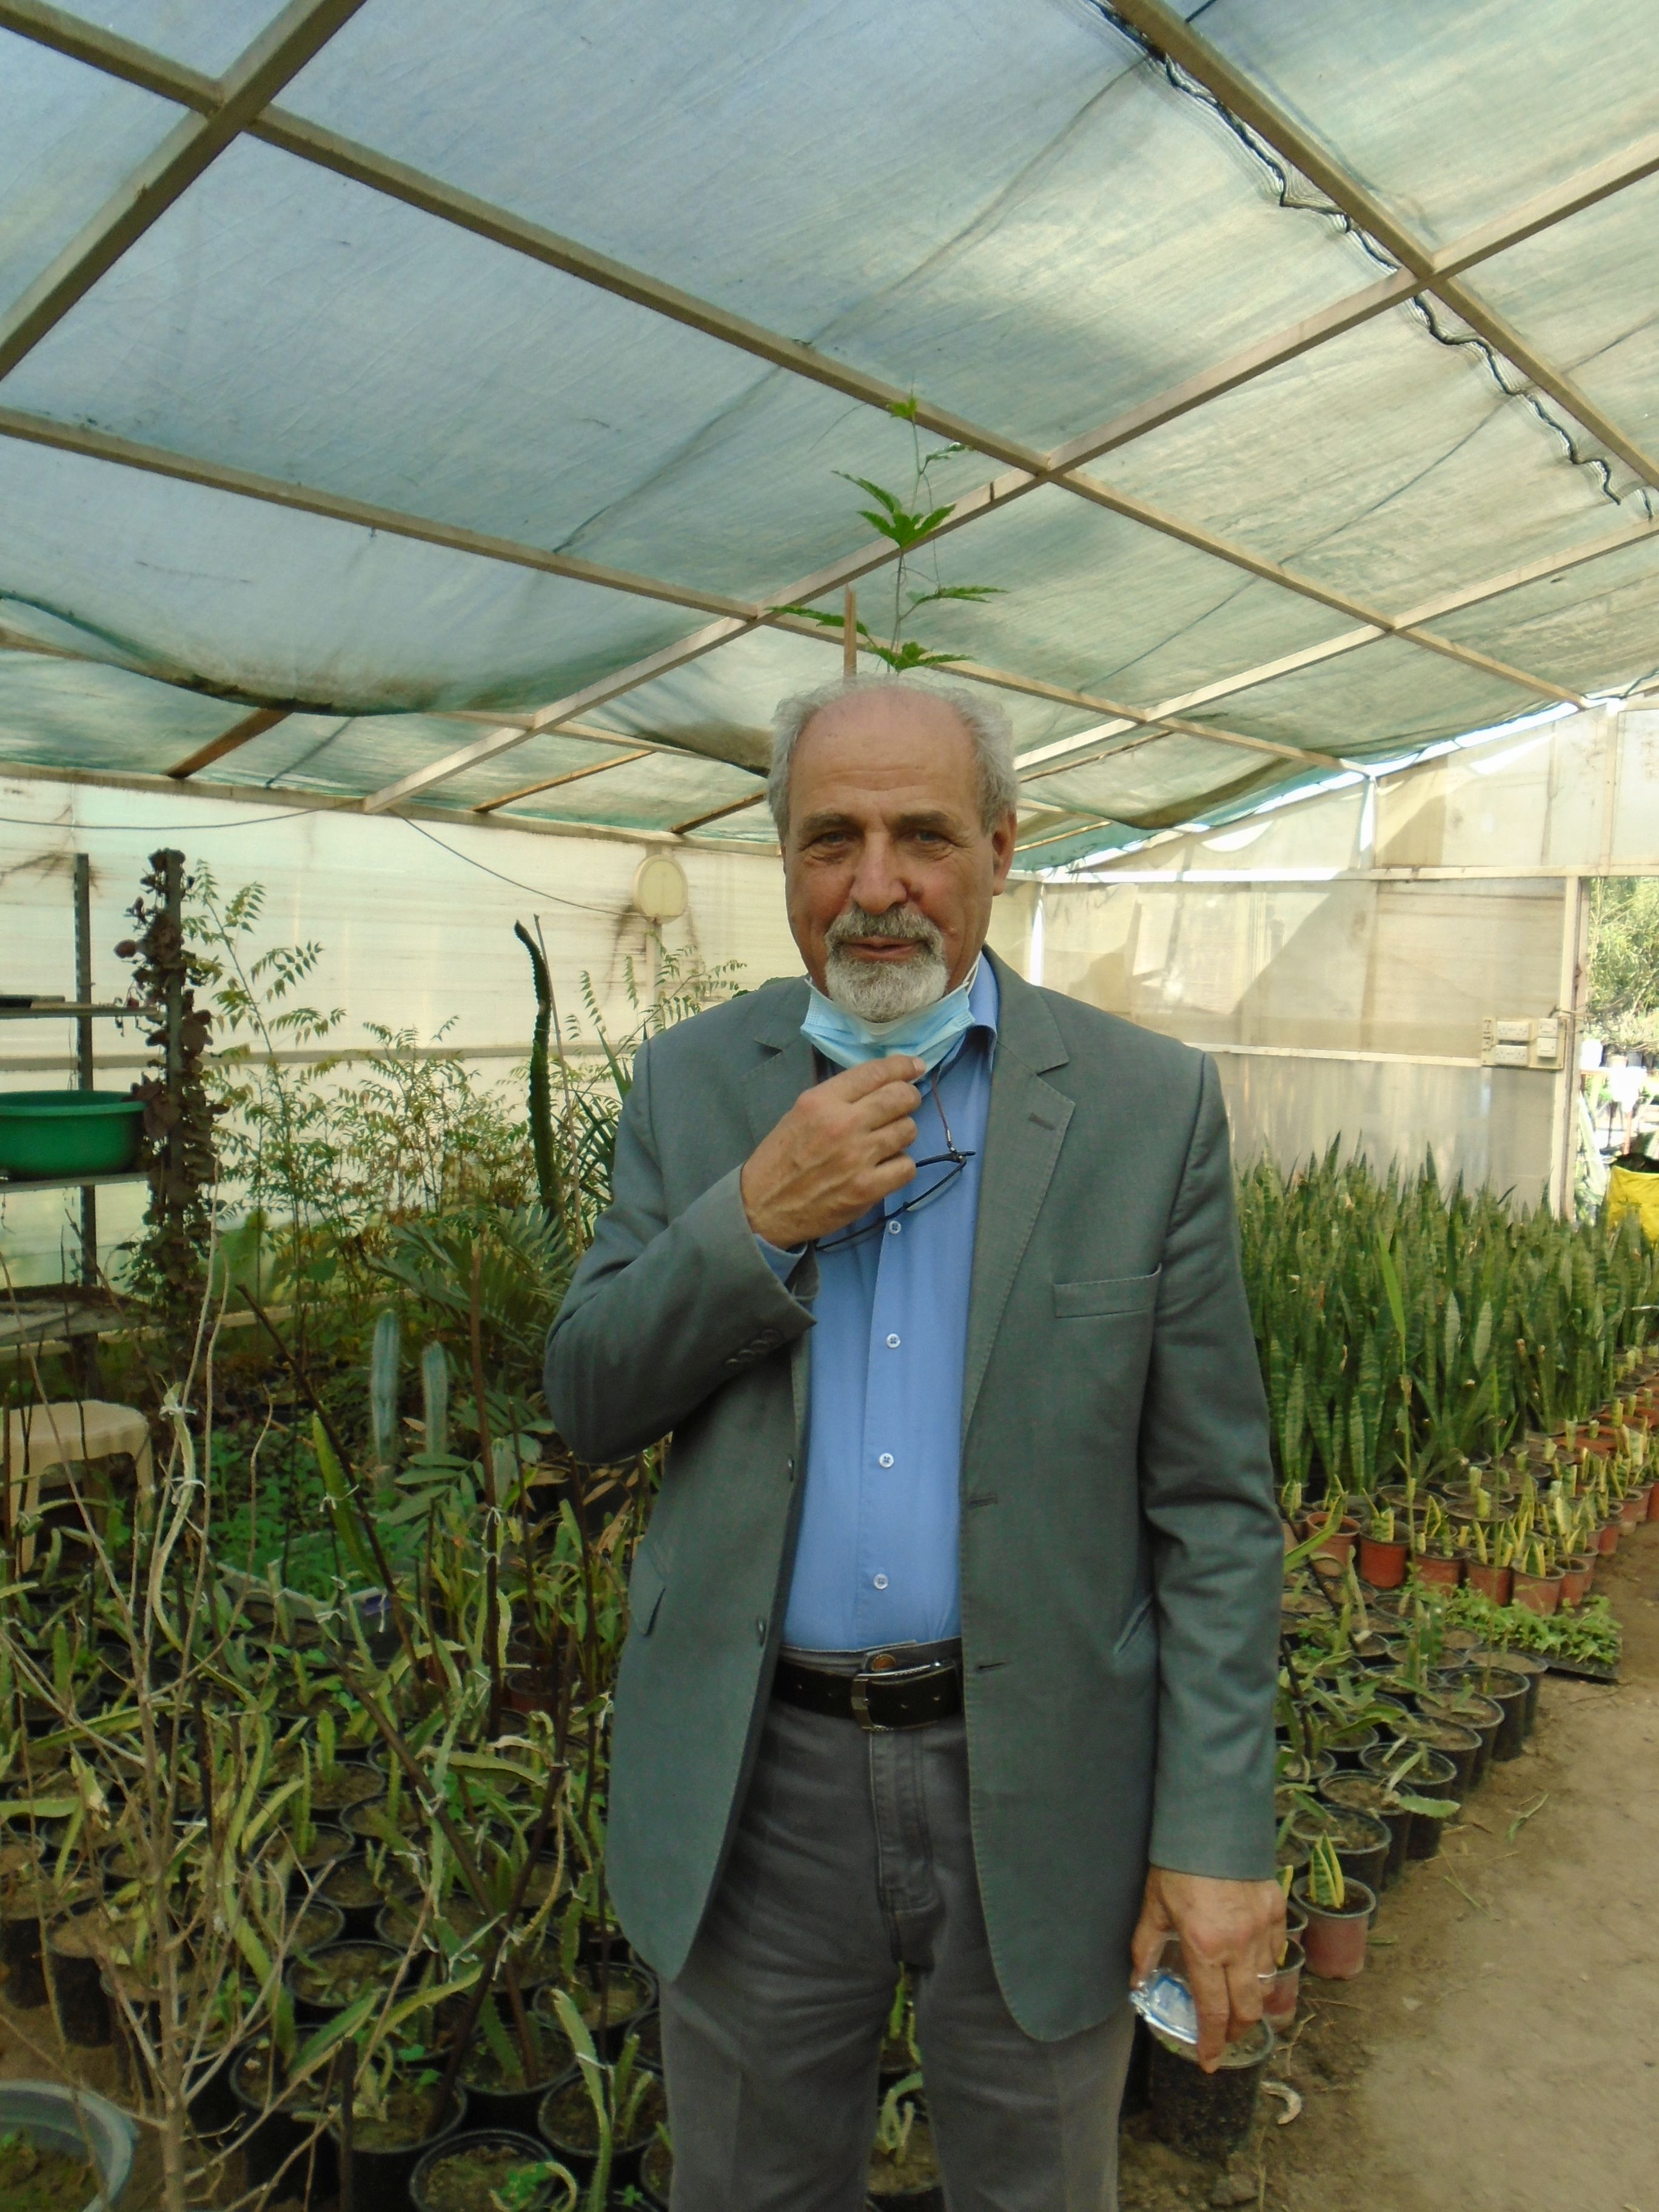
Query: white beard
[[877, 990]]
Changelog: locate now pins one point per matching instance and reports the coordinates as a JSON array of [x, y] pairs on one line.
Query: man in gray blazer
[[953, 1631]]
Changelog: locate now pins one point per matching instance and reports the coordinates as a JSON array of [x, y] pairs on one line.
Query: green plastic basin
[[56, 1133]]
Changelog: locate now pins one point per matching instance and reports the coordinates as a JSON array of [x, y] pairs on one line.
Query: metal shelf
[[64, 1011], [69, 1182]]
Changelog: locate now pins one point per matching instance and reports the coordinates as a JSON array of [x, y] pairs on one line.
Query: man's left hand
[[1231, 1935]]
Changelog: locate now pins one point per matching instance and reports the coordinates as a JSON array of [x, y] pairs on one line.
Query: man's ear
[[1002, 851]]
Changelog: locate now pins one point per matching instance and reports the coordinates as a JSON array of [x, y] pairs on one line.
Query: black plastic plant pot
[[1459, 1745], [1467, 1709], [467, 2172], [380, 2172], [21, 1965], [280, 2140], [77, 1983], [491, 2104], [1347, 1748], [1312, 1770], [565, 2120], [657, 2175], [629, 1994], [327, 1981], [329, 1845], [1207, 2116], [1366, 1793], [1138, 2080], [1510, 1691], [351, 1888], [1433, 1776], [1363, 1842]]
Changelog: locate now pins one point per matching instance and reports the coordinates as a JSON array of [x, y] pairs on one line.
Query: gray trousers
[[854, 1856]]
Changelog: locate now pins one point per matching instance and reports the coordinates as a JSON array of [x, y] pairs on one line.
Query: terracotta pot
[[1538, 1593], [1290, 1535], [1586, 1561], [1437, 1573], [1334, 1943], [1494, 1583], [1382, 1564], [1575, 1583], [1608, 1537], [1631, 1510], [1279, 1999], [1338, 1546], [1653, 1502]]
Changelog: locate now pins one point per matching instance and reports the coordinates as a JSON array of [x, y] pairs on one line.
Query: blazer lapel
[[1023, 1138], [785, 1070]]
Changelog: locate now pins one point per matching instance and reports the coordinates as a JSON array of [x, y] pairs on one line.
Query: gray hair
[[989, 728]]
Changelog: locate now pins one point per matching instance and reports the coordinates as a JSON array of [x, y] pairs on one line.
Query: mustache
[[901, 923]]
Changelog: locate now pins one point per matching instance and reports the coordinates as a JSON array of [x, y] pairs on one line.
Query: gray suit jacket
[[1120, 1553]]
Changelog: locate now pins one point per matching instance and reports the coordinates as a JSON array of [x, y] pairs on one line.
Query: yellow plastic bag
[[1630, 1191]]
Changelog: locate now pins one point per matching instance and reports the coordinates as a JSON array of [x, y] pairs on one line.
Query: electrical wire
[[535, 890], [155, 829]]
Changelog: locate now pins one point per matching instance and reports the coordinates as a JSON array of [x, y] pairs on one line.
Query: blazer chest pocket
[[1112, 1294]]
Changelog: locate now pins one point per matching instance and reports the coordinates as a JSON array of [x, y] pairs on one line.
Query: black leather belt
[[881, 1697]]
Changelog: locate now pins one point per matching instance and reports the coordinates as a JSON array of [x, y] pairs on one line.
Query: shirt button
[[759, 1632], [892, 1344], [886, 1460], [893, 1228], [881, 1581]]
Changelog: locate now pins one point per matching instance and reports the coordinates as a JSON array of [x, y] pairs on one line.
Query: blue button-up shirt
[[876, 1559]]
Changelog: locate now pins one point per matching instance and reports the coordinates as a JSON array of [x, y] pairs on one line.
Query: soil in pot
[[629, 1992], [337, 1975], [480, 2171], [1366, 1793], [657, 2174], [566, 2120], [339, 1787], [492, 2073], [1516, 1662], [388, 2144], [1334, 1941], [1467, 1709], [350, 1886], [1207, 2115], [35, 2177], [907, 2180], [1362, 1841], [1459, 1745]]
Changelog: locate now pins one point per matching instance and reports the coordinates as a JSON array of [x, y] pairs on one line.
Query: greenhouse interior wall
[[1338, 954]]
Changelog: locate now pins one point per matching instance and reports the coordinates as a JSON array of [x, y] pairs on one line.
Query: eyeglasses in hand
[[952, 1159]]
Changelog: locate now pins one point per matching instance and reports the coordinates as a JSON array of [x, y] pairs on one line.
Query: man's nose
[[877, 885]]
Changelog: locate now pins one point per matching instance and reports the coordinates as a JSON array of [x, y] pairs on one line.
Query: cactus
[[434, 1399], [541, 1089], [383, 1387]]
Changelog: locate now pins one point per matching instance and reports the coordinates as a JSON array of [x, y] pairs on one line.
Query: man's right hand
[[839, 1151]]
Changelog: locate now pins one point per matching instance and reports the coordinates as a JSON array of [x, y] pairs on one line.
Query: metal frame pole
[[84, 1074]]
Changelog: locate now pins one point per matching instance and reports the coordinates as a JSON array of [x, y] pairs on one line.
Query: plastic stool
[[42, 1437]]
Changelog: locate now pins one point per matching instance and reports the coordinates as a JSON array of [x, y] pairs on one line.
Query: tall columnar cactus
[[434, 1399], [383, 1389], [541, 1085]]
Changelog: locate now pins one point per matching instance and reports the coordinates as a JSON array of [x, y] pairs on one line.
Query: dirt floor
[[1501, 2051]]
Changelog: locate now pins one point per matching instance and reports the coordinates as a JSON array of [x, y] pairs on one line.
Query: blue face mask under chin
[[928, 1035]]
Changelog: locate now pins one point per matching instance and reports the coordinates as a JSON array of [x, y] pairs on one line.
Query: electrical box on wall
[[1515, 1044]]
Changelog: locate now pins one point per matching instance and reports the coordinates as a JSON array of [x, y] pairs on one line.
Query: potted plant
[[904, 2172], [62, 2147], [599, 2118], [1207, 2116], [1338, 1912], [490, 2170], [1537, 1581], [1433, 1559], [1382, 1553]]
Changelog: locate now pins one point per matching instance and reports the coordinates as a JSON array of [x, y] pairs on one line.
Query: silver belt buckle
[[888, 1676]]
